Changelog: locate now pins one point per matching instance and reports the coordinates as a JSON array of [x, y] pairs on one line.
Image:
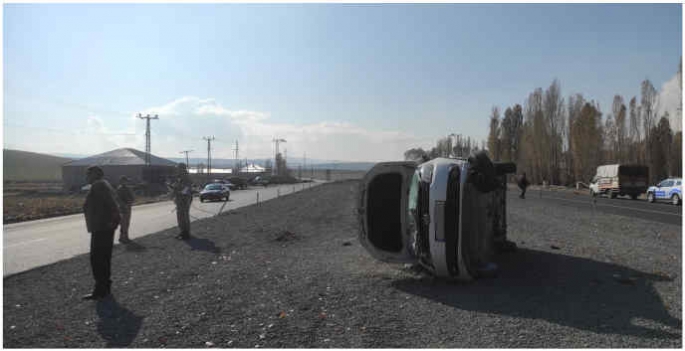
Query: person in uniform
[[102, 218], [125, 197], [182, 193], [523, 184]]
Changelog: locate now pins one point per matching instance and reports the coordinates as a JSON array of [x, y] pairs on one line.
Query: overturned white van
[[447, 214]]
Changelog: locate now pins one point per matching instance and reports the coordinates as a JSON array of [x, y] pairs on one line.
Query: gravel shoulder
[[291, 273]]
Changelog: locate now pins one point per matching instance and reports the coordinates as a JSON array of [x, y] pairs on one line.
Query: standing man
[[523, 184], [102, 219], [125, 196], [182, 192]]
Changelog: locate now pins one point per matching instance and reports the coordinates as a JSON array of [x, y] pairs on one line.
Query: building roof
[[121, 157], [252, 168]]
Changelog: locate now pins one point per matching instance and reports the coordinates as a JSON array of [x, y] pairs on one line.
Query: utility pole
[[209, 154], [275, 166], [186, 152], [147, 136], [236, 165]]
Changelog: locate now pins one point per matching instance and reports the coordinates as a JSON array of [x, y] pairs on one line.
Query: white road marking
[[26, 242], [624, 207]]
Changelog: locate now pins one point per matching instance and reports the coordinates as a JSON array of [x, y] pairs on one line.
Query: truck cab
[[442, 214]]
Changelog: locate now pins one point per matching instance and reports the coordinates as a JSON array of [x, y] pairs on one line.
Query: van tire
[[650, 197]]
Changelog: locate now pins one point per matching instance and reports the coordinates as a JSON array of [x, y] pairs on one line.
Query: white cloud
[[183, 122], [669, 101], [255, 131]]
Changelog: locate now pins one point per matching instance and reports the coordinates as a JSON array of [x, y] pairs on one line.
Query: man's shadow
[[581, 293], [117, 325], [134, 247], [202, 245]]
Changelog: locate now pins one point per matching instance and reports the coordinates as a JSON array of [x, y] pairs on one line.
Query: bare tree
[[553, 110], [575, 105], [610, 140], [493, 137], [417, 154], [586, 138], [649, 105], [660, 149], [635, 137], [619, 110], [677, 155]]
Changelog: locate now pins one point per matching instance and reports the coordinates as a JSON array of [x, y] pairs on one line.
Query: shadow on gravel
[[135, 247], [117, 325], [576, 292], [202, 245]]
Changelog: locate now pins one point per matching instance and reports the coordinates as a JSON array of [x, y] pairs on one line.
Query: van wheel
[[650, 197], [675, 199]]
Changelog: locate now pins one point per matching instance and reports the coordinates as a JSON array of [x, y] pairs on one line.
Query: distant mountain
[[31, 166]]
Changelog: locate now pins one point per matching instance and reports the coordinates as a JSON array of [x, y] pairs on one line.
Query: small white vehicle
[[618, 180], [447, 214], [669, 189]]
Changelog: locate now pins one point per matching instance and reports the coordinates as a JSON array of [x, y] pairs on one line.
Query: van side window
[[677, 183]]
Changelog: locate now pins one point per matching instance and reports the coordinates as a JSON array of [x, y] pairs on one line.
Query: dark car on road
[[215, 191], [260, 180], [238, 182]]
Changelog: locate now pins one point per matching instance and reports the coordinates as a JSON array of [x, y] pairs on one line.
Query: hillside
[[25, 166]]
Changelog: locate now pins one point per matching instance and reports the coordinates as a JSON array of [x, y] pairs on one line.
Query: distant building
[[252, 168], [194, 170], [115, 163]]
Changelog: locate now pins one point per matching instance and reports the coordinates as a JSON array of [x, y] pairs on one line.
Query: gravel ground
[[291, 273]]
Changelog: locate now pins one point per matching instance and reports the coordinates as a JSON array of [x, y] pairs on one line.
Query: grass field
[[25, 201]]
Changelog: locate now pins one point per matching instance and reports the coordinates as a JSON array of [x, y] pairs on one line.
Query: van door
[[385, 226]]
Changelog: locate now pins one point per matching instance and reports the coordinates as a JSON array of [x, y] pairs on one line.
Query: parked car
[[215, 191], [260, 180], [668, 189], [238, 183], [615, 180], [448, 215]]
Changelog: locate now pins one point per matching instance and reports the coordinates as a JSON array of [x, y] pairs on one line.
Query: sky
[[345, 82]]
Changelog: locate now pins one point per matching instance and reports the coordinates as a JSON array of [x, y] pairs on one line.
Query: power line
[[236, 157], [209, 153], [147, 137], [186, 152]]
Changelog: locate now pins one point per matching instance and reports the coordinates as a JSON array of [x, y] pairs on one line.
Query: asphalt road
[[37, 243], [662, 212]]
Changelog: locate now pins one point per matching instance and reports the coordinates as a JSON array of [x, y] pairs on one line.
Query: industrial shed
[[115, 163]]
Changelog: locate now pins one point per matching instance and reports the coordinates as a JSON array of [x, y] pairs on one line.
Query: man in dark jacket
[[523, 184], [183, 196], [102, 219], [125, 197]]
